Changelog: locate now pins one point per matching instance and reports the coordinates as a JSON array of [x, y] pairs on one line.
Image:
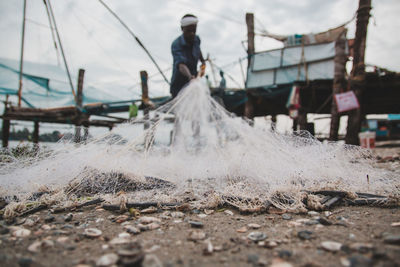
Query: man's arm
[[185, 71]]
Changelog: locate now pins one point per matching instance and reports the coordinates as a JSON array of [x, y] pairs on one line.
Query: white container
[[367, 139]]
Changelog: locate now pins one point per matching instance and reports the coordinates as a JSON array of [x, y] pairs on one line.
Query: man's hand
[[202, 69]]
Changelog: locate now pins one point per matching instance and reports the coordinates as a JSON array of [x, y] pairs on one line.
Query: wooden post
[[145, 97], [6, 132], [357, 77], [302, 119], [249, 105], [6, 125], [79, 100], [250, 36], [35, 137], [338, 83]]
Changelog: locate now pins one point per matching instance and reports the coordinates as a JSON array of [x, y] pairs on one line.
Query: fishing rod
[[136, 38]]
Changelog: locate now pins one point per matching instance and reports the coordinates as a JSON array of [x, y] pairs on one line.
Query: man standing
[[186, 54]]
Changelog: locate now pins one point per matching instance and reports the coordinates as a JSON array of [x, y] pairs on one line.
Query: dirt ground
[[361, 236]]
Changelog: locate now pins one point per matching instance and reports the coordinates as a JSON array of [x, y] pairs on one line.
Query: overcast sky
[[95, 41]]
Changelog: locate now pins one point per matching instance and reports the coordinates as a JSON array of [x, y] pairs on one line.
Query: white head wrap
[[186, 21]]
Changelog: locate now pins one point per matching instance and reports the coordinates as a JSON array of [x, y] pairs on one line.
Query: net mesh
[[194, 150]]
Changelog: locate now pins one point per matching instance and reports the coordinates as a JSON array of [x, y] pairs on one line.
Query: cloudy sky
[[94, 40]]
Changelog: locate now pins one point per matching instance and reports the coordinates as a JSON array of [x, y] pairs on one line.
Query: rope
[[136, 38]]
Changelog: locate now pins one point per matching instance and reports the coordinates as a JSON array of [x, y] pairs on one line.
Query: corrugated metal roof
[[284, 65]]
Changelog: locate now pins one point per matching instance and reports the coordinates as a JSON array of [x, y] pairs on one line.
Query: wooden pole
[[357, 77], [249, 105], [21, 62], [79, 101], [145, 97], [338, 83], [35, 137], [6, 125]]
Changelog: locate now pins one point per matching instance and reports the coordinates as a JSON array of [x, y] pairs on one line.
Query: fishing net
[[192, 150]]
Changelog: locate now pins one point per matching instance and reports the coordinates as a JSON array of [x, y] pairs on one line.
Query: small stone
[[149, 210], [312, 213], [352, 236], [34, 247], [150, 226], [147, 220], [271, 244], [208, 212], [46, 227], [177, 214], [49, 218], [22, 232], [257, 236], [196, 224], [62, 239], [252, 258], [68, 217], [228, 212], [331, 246], [92, 232], [107, 260], [196, 235], [324, 221], [242, 230], [209, 249], [361, 247], [30, 222], [305, 235], [286, 216], [121, 218], [359, 261], [278, 262], [132, 229], [327, 213], [151, 260], [285, 254], [120, 241], [202, 216], [25, 262], [254, 226], [392, 239]]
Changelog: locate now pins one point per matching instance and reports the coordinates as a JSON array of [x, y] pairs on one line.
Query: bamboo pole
[[21, 63]]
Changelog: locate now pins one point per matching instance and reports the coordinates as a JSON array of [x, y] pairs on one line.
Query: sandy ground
[[357, 236]]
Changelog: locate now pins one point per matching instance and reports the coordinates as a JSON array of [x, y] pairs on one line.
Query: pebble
[[392, 239], [149, 210], [46, 227], [208, 212], [257, 236], [254, 226], [286, 216], [284, 254], [34, 247], [196, 235], [25, 262], [327, 213], [202, 216], [132, 229], [280, 263], [242, 230], [121, 218], [151, 260], [228, 212], [177, 214], [150, 226], [359, 261], [92, 232], [324, 221], [147, 220], [209, 249], [313, 213], [107, 260], [196, 224], [362, 247], [271, 244], [120, 240], [331, 246], [68, 217], [305, 235], [49, 218], [22, 232]]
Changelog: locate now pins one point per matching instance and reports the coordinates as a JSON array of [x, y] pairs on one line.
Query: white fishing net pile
[[207, 155]]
